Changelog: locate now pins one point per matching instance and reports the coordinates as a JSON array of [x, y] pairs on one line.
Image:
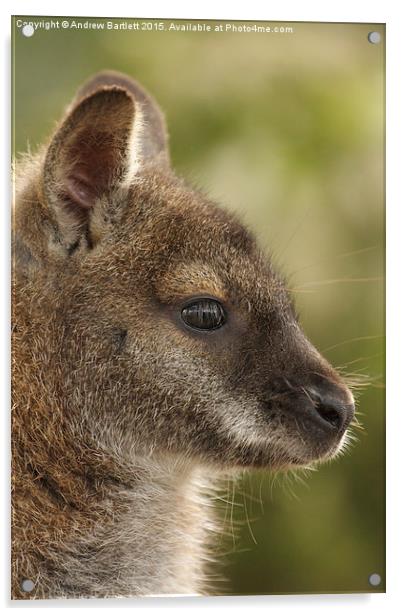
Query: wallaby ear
[[153, 144], [111, 131]]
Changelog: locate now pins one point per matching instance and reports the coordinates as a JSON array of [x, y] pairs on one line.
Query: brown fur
[[122, 416]]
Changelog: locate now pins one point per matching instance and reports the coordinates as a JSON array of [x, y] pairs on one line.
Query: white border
[[286, 10]]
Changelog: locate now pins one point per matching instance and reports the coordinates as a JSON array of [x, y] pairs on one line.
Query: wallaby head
[[148, 321]]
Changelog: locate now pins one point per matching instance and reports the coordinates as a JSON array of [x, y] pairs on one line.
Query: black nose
[[332, 407]]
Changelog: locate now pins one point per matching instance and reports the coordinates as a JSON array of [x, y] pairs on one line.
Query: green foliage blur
[[288, 130]]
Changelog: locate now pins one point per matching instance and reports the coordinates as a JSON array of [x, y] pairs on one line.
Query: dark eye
[[205, 314]]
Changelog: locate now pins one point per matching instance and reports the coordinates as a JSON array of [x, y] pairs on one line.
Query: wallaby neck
[[148, 536], [90, 521]]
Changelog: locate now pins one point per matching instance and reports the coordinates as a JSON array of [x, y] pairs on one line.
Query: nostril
[[332, 414], [334, 409]]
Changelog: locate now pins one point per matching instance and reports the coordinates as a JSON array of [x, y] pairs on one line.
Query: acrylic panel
[[198, 308]]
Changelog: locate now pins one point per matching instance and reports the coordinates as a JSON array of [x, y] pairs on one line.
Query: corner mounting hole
[[374, 37], [27, 585], [28, 30], [374, 579]]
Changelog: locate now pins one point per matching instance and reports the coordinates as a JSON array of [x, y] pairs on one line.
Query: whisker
[[296, 290], [357, 339], [248, 520], [296, 230], [365, 358], [231, 515], [331, 258], [339, 280]]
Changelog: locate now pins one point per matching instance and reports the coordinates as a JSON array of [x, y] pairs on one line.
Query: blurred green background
[[288, 130]]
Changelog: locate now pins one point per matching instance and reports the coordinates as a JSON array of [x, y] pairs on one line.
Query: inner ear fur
[[154, 144], [90, 156]]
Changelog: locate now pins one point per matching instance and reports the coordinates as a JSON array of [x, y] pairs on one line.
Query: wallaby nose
[[333, 407]]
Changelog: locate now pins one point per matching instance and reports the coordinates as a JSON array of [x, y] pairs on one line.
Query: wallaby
[[155, 349]]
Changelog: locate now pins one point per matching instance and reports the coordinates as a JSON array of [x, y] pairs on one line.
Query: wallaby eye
[[204, 314]]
